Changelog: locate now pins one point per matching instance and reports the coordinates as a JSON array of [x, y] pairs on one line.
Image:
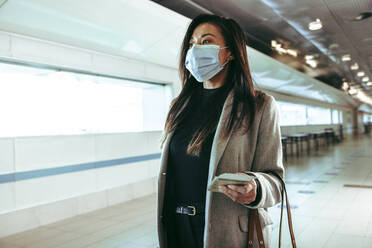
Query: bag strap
[[289, 214], [253, 217]]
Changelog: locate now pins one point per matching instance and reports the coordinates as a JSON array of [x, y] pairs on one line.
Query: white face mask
[[202, 61]]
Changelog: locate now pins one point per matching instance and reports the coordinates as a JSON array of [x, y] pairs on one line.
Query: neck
[[217, 81]]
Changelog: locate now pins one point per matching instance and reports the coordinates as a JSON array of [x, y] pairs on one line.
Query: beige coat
[[256, 151]]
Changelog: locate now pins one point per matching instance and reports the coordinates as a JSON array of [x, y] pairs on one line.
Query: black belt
[[191, 209]]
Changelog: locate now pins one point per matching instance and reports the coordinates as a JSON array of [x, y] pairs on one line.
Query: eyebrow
[[205, 35]]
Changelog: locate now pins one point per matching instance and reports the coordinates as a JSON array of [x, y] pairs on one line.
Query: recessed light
[[365, 79], [352, 91], [333, 46], [315, 25], [362, 16], [346, 57], [292, 52], [312, 63], [360, 73], [354, 66]]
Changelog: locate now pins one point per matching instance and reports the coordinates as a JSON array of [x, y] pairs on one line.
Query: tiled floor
[[326, 214]]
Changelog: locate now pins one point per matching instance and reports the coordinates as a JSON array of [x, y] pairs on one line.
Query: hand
[[242, 194]]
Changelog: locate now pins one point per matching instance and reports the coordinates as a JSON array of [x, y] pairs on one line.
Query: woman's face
[[209, 34]]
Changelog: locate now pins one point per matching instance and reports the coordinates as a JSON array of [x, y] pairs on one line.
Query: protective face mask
[[202, 61]]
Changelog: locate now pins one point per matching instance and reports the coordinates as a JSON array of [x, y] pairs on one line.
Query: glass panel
[[37, 101], [318, 115], [367, 118], [292, 114], [335, 115]]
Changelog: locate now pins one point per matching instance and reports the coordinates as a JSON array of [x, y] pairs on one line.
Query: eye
[[205, 41]]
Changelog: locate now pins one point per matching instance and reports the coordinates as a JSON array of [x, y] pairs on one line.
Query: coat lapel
[[218, 147], [164, 153], [219, 143], [162, 173]]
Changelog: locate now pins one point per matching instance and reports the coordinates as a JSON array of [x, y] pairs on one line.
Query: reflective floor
[[325, 213]]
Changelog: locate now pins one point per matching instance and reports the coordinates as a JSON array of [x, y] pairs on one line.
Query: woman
[[218, 124]]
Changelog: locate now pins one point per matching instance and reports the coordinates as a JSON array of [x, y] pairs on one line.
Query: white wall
[[30, 203], [33, 50], [43, 200]]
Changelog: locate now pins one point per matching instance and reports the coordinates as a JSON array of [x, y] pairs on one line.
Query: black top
[[187, 175]]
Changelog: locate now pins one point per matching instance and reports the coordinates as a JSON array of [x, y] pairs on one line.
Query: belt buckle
[[193, 210]]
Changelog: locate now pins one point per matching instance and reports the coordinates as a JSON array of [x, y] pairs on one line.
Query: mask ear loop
[[226, 63], [228, 60]]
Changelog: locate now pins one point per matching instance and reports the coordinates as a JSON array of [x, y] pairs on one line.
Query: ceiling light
[[346, 57], [360, 74], [281, 50], [345, 86], [363, 97], [317, 24], [365, 79], [352, 91], [354, 66], [312, 63], [292, 52], [308, 57], [363, 16], [369, 84], [334, 46]]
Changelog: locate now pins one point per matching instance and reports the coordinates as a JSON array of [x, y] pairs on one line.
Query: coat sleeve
[[268, 157]]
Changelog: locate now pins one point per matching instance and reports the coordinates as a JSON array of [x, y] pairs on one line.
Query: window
[[335, 115], [292, 114], [367, 118], [318, 115], [37, 101]]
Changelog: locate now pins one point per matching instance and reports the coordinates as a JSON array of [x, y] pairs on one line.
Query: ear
[[231, 57]]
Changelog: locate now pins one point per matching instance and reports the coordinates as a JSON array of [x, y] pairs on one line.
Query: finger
[[248, 188], [245, 200], [240, 189], [233, 194], [222, 188]]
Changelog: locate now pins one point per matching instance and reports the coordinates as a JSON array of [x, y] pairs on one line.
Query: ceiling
[[287, 21], [145, 30], [119, 27]]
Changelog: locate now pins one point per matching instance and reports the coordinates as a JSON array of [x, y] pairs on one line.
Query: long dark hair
[[239, 80]]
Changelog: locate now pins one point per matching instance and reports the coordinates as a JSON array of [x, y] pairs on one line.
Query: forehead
[[206, 28]]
